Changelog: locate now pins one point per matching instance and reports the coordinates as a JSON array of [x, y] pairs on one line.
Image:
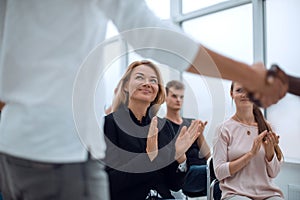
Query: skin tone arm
[[152, 146], [2, 104], [294, 85], [293, 82], [202, 144], [240, 163], [253, 78]]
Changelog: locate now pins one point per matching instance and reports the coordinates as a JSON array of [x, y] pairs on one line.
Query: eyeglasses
[[143, 79]]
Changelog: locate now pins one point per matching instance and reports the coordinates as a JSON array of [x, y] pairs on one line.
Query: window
[[160, 8], [283, 47], [192, 5], [230, 32]]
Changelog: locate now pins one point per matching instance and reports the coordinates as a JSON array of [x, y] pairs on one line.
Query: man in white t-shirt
[[42, 46]]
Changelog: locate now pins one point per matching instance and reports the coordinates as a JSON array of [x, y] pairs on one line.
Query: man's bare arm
[[252, 77]]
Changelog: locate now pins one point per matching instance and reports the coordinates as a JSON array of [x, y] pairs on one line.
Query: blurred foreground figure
[[42, 45]]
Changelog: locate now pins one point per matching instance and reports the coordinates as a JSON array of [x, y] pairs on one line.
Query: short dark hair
[[178, 85]]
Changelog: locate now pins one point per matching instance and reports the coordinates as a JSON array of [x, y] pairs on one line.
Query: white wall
[[289, 174]]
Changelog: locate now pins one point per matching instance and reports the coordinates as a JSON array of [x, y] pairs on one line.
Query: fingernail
[[270, 79]]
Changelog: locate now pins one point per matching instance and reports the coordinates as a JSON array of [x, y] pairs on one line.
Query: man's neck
[[174, 116]]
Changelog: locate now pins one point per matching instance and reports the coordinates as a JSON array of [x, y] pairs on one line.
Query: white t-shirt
[[42, 45]]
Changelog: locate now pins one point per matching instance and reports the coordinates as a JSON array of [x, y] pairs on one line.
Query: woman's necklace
[[247, 123]]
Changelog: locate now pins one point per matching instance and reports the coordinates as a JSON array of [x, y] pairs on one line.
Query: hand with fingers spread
[[202, 144], [271, 140], [185, 139], [152, 143], [201, 127], [257, 142]]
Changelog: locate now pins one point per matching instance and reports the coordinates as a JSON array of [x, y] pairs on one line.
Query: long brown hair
[[121, 96], [262, 125]]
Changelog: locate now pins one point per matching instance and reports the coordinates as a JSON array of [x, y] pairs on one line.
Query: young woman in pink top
[[246, 155]]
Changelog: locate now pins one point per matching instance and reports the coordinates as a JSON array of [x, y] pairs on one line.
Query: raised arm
[[273, 160], [293, 81], [181, 51], [294, 85], [253, 78], [204, 149]]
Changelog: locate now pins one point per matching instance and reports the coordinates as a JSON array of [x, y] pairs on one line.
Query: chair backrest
[[213, 190]]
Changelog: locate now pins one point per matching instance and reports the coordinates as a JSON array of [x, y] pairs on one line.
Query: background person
[[141, 154], [199, 152], [246, 155]]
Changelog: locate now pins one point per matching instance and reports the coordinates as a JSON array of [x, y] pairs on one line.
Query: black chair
[[194, 194], [199, 193], [213, 189]]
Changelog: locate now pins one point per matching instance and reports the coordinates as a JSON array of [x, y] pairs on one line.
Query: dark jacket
[[131, 173]]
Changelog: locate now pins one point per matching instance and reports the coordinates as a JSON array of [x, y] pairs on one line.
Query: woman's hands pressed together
[[152, 143]]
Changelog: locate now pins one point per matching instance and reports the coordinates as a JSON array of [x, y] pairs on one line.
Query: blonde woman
[[143, 152], [246, 154]]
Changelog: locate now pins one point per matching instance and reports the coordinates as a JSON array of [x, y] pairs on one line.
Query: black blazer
[[131, 173]]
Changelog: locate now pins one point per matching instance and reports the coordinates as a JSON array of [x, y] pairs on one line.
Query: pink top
[[255, 179]]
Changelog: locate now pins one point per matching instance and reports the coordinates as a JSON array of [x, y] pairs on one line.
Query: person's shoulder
[[230, 122], [163, 120], [164, 123], [169, 122], [109, 117], [225, 124], [224, 130], [186, 121]]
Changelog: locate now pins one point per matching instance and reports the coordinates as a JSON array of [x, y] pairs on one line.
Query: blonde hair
[[121, 96]]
